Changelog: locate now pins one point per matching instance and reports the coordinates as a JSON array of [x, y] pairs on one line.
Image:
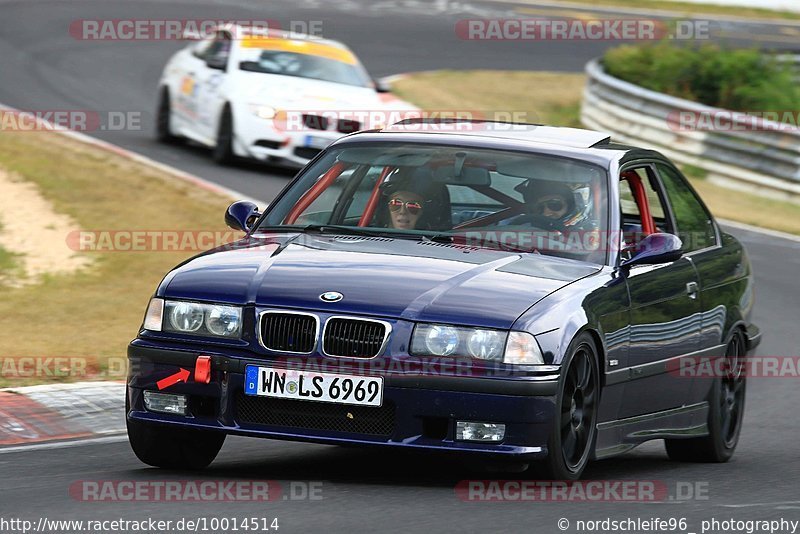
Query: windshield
[[485, 198], [341, 67]]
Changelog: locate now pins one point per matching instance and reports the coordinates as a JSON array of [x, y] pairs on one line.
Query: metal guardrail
[[766, 161]]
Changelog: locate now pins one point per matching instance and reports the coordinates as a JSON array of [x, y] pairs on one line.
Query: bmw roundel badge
[[331, 296]]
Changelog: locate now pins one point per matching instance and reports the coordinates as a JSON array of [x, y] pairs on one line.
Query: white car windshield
[[287, 63]]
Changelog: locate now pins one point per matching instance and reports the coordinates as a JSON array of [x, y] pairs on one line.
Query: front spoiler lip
[[543, 385], [449, 447]]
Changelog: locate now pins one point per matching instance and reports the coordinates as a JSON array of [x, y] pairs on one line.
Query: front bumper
[[260, 139], [418, 412]]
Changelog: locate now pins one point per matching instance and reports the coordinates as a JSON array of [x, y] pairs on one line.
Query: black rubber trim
[[660, 367], [493, 386], [183, 358]]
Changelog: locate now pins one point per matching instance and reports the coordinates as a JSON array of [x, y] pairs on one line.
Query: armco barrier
[[765, 161]]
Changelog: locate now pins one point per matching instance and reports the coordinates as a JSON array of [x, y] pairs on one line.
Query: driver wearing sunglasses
[[551, 205], [405, 209]]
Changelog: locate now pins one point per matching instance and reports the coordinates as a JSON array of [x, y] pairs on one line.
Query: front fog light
[[472, 431], [165, 403]]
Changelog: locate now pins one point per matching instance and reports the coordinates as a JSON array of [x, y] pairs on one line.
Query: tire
[[726, 410], [574, 430], [223, 149], [164, 119], [172, 447]]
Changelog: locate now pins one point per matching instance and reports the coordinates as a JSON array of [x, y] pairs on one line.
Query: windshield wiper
[[341, 229]]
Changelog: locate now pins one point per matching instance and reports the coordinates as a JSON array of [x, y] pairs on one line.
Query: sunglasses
[[414, 208], [554, 204]]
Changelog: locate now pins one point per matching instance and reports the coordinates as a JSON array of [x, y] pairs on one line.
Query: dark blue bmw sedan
[[538, 294]]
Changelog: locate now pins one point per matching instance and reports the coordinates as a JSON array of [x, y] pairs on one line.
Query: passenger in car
[[405, 209], [414, 202]]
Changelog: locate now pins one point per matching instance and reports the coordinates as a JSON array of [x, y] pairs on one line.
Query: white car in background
[[270, 96]]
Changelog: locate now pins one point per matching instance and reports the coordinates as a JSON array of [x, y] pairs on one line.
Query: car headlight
[[185, 316], [479, 343], [224, 320], [263, 112], [193, 318]]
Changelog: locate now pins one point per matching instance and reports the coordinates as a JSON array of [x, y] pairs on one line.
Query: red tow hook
[[202, 370]]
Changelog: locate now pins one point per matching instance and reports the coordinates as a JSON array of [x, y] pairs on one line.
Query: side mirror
[[382, 87], [217, 62], [654, 249], [241, 215]]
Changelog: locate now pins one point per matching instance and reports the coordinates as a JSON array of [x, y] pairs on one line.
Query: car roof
[[539, 133], [587, 145]]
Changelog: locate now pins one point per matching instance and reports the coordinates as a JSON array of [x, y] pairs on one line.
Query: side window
[[218, 48], [320, 210], [631, 217], [362, 195], [695, 227], [200, 48]]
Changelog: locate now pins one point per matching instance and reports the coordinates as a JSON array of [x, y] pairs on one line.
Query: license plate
[[313, 141], [321, 387]]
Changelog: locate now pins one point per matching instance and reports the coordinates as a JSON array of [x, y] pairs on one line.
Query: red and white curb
[[34, 414]]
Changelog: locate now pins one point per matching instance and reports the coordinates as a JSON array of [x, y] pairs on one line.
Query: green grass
[[8, 263], [555, 99], [535, 97], [741, 80]]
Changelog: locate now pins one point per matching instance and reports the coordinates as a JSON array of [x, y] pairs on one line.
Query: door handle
[[691, 289]]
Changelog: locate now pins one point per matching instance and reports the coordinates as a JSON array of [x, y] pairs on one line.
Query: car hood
[[384, 277], [294, 93]]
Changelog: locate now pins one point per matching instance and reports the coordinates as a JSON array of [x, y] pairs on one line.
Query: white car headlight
[[215, 320], [263, 112]]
